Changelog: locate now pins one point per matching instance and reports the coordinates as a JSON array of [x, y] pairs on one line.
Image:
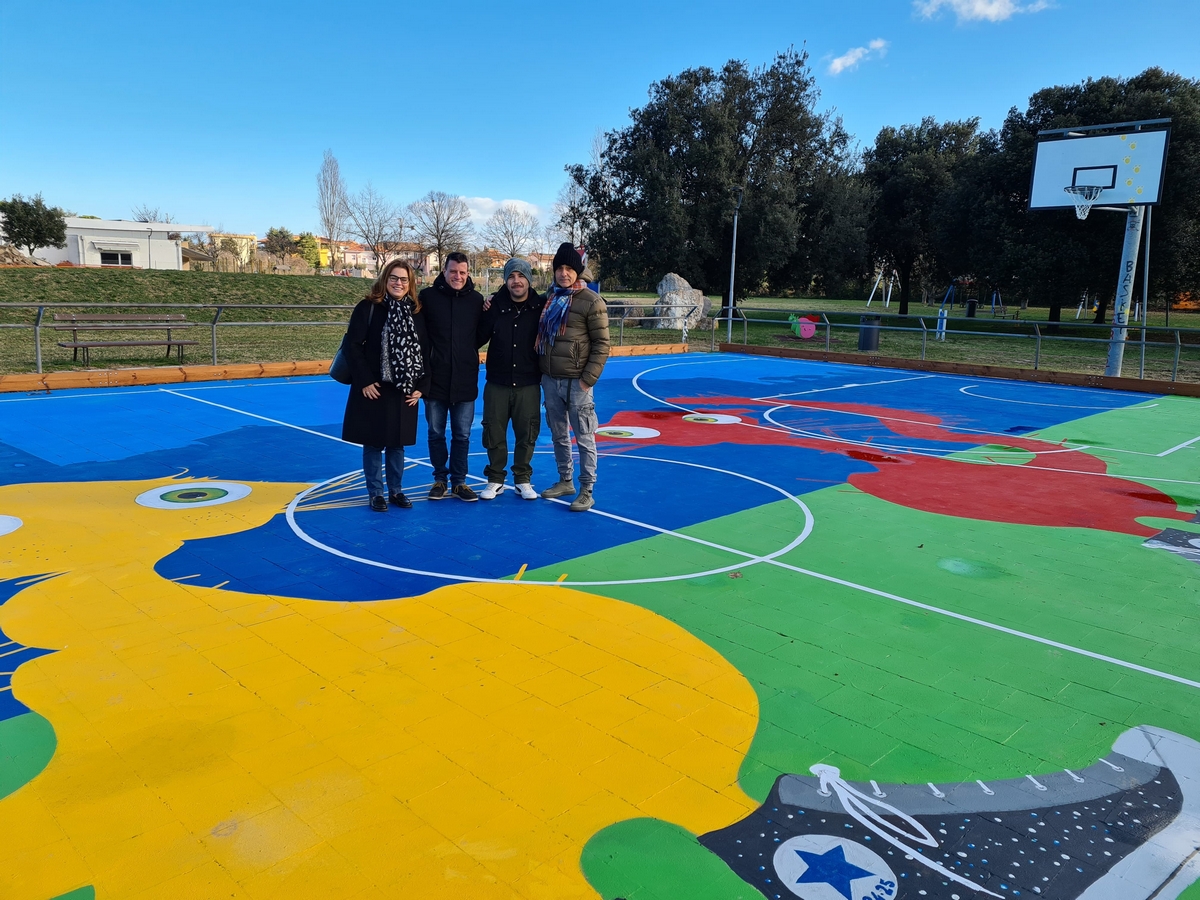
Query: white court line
[[983, 623], [967, 390], [1178, 447], [821, 437], [843, 387], [747, 558], [779, 426], [328, 437]]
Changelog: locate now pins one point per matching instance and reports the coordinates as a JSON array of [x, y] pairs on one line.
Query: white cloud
[[482, 207], [876, 49], [979, 10]]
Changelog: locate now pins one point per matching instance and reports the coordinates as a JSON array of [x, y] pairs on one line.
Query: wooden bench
[[121, 322]]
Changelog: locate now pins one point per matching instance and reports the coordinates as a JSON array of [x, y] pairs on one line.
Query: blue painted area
[[477, 540], [280, 430], [13, 654]]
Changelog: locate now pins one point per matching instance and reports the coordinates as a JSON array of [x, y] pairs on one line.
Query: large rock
[[679, 304]]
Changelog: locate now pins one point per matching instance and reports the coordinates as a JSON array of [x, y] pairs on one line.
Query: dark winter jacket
[[512, 329], [452, 319], [388, 421], [581, 351]]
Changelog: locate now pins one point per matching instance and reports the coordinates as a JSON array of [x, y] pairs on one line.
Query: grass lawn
[[286, 338]]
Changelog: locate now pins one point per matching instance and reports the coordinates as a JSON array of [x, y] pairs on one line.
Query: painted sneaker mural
[[1125, 828]]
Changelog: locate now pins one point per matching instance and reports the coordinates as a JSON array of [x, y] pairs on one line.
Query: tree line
[[439, 223], [930, 201]]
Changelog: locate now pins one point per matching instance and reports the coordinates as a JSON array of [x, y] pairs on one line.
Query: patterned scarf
[[401, 363], [553, 322]]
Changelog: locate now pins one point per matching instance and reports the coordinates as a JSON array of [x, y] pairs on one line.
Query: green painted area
[[1144, 429], [897, 693], [27, 743], [887, 691], [647, 859], [83, 893]]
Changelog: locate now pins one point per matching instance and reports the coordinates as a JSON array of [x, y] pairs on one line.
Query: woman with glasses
[[388, 355]]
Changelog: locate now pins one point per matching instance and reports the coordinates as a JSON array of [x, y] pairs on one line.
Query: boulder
[[679, 305]]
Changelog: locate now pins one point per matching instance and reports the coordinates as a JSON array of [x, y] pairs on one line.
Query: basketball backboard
[[1125, 164]]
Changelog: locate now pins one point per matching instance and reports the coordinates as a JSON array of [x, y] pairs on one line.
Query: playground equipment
[[1116, 167], [887, 296], [803, 327]]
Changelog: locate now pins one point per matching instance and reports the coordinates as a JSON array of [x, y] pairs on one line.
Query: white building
[[117, 243]]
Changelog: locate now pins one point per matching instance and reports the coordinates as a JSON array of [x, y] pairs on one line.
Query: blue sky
[[219, 112]]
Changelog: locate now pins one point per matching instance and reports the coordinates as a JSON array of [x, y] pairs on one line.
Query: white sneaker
[[492, 491], [525, 489]]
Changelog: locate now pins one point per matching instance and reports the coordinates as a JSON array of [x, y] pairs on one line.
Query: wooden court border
[[106, 378]]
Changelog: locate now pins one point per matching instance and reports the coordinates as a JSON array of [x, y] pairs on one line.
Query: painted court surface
[[830, 632]]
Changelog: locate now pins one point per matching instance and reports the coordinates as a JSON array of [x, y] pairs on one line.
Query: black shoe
[[462, 492], [401, 501], [379, 504], [438, 491]]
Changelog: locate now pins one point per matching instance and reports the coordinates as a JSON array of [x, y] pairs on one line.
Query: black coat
[[512, 330], [452, 318], [388, 421]]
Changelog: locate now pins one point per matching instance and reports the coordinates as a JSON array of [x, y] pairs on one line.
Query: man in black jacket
[[513, 389], [451, 307]]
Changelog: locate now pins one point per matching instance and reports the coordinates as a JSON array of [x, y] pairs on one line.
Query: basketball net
[[1083, 195]]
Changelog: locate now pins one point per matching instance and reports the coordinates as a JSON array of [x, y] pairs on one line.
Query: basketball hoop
[[1084, 195]]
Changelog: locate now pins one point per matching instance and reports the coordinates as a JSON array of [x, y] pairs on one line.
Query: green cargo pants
[[522, 407]]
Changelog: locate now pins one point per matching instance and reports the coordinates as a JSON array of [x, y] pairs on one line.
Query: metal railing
[[1030, 330], [213, 323], [628, 311], [215, 312]]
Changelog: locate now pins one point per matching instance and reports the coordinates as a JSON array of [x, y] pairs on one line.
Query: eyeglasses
[[398, 279]]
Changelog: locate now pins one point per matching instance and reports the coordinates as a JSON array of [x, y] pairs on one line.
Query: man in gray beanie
[[512, 393]]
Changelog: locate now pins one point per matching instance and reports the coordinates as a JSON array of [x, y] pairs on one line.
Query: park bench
[[121, 322]]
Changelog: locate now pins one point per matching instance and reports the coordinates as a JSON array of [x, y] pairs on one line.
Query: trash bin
[[868, 333], [972, 305]]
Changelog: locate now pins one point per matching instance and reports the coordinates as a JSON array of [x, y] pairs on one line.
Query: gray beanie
[[516, 264]]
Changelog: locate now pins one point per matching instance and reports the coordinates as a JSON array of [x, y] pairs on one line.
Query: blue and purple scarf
[[553, 322]]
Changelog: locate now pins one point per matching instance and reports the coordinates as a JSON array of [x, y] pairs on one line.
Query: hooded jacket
[[581, 351], [451, 321], [511, 328]]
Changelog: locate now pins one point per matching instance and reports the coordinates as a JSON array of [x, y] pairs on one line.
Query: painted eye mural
[[628, 432], [200, 493], [9, 524], [713, 419]]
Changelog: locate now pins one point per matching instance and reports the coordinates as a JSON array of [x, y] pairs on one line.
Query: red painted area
[[1056, 488]]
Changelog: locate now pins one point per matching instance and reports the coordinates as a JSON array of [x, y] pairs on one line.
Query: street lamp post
[[737, 192]]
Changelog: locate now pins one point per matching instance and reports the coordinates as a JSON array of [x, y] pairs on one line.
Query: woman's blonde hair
[[379, 288]]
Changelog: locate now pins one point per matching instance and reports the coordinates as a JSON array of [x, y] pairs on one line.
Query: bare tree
[[332, 203], [571, 213], [146, 213], [511, 230], [376, 222], [441, 223]]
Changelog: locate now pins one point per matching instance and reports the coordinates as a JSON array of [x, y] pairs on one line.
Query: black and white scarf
[[401, 363]]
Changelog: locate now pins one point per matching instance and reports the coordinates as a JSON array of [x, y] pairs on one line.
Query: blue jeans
[[373, 469], [461, 416]]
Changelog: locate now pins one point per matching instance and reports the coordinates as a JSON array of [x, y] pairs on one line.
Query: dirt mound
[[11, 256]]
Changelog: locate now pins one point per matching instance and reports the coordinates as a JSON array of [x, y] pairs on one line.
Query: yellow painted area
[[466, 743]]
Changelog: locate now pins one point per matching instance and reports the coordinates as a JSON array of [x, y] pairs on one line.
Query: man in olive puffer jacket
[[572, 346]]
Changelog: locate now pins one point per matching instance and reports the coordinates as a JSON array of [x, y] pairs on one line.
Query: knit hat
[[567, 255], [518, 265]]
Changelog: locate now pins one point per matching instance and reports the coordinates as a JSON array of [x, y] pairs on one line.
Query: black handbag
[[339, 369]]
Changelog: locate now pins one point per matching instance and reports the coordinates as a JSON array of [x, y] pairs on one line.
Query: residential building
[[120, 244], [243, 246]]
